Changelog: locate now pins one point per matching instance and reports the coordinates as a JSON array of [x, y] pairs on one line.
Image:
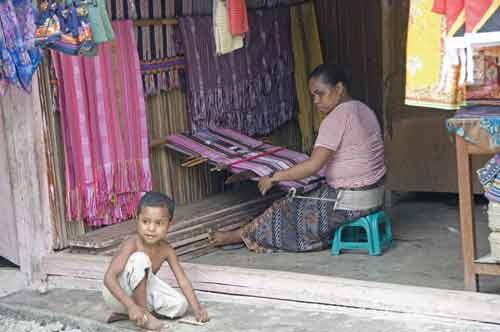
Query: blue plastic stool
[[373, 242]]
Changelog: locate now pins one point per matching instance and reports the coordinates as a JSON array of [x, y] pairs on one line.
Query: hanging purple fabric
[[250, 90]]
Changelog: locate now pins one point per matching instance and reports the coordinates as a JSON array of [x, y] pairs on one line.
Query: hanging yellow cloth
[[307, 55], [432, 71]]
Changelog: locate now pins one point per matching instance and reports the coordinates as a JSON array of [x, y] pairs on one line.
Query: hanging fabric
[[434, 71], [250, 90], [307, 56], [225, 42], [104, 130], [65, 27], [160, 52], [238, 17], [19, 57]]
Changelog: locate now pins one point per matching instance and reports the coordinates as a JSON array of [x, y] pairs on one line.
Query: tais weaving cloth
[[489, 177], [225, 147], [160, 52], [432, 74], [477, 124], [250, 90], [104, 127]]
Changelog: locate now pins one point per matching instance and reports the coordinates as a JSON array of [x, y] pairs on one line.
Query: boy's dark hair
[[331, 74], [156, 199]]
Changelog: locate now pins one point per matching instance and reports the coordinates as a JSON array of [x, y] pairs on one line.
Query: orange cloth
[[237, 16], [453, 10]]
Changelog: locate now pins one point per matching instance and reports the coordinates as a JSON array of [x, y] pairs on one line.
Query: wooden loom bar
[[162, 21]]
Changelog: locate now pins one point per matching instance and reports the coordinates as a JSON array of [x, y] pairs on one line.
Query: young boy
[[131, 284]]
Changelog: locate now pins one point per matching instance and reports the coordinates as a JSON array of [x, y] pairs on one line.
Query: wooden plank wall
[[22, 119], [8, 235], [420, 154], [350, 34]]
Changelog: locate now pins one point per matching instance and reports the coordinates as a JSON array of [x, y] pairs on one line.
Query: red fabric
[[237, 16], [451, 9], [474, 11]]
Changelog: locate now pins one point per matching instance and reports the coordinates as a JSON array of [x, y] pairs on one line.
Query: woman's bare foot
[[219, 238]]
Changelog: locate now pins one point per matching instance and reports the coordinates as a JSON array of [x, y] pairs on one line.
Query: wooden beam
[[302, 288], [149, 22]]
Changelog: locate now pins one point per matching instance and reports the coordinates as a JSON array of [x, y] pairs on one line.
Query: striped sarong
[[226, 147]]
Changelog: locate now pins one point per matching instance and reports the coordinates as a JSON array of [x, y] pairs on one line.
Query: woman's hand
[[265, 183]]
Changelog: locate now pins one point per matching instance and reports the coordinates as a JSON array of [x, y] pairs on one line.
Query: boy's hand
[[136, 314], [201, 315]]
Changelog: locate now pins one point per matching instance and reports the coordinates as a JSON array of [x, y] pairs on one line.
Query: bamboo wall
[[350, 34]]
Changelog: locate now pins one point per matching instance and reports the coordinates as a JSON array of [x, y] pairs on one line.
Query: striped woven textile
[[228, 148], [160, 53], [105, 134]]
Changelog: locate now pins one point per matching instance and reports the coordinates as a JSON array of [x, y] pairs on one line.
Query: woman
[[349, 150]]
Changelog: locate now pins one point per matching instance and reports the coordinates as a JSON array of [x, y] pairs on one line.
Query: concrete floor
[[427, 249], [233, 313]]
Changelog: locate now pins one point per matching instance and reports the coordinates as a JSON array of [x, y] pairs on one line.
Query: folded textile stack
[[489, 176], [494, 223]]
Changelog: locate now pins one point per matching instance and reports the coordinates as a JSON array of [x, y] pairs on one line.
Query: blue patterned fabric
[[469, 118], [19, 57], [489, 177]]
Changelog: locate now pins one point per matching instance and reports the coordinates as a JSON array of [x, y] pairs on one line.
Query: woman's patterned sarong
[[300, 225]]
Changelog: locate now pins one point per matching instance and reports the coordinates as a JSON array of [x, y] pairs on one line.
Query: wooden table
[[472, 266]]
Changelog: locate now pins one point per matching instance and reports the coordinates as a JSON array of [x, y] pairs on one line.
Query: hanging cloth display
[[237, 15], [250, 90], [225, 42], [105, 136], [433, 72], [307, 56], [19, 57]]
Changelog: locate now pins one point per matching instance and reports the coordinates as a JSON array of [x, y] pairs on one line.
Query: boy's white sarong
[[161, 298]]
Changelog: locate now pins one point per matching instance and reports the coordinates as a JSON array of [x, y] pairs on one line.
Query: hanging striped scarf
[[105, 136]]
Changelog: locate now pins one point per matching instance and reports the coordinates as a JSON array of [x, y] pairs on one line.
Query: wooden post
[[22, 120], [467, 227]]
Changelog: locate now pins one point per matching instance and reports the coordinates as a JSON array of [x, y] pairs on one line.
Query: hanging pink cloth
[[237, 16], [104, 125]]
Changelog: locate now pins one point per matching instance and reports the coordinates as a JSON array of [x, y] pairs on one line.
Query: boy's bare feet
[[152, 323], [116, 317], [218, 238]]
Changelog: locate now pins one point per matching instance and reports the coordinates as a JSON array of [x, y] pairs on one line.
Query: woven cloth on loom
[[105, 136], [160, 53], [229, 148], [250, 90]]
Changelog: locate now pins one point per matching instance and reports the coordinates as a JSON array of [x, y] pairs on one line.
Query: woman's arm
[[311, 166]]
